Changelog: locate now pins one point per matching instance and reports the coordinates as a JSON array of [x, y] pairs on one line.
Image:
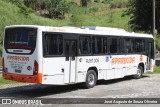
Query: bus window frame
[[79, 53], [32, 51], [144, 51], [118, 45], [125, 53], [43, 45], [134, 44], [104, 38]]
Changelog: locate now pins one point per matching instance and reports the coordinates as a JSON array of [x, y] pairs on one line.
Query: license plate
[[17, 71]]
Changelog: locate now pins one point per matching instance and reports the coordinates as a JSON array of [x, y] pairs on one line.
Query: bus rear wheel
[[139, 73], [91, 79]]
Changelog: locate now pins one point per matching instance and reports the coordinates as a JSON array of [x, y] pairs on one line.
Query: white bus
[[68, 55]]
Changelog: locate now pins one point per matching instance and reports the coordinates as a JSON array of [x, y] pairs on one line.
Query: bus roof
[[95, 30]]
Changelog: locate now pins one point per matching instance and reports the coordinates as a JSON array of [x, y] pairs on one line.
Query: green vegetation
[[141, 16], [109, 19], [158, 41], [12, 15], [141, 12], [4, 81], [119, 3], [156, 70], [96, 14], [14, 12]]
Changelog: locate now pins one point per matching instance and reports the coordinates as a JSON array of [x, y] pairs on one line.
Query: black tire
[[139, 73], [91, 79]]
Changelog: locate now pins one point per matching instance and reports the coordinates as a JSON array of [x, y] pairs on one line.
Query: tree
[[158, 42], [84, 3], [23, 8], [141, 15], [57, 8], [52, 8], [35, 4]]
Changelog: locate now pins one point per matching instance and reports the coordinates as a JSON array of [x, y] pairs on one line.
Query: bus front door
[[70, 61], [150, 50]]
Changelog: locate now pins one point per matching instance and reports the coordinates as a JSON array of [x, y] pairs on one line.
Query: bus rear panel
[[19, 61]]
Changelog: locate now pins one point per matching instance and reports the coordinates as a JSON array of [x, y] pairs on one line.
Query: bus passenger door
[[150, 50], [70, 61]]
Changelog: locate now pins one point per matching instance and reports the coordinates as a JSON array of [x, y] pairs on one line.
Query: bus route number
[[96, 60]]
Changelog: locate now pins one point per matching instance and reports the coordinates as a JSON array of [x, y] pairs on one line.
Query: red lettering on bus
[[127, 60], [18, 58]]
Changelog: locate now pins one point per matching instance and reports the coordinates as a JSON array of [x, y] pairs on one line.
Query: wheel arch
[[142, 65], [95, 69]]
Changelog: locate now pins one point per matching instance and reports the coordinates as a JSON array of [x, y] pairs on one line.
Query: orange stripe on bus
[[23, 78]]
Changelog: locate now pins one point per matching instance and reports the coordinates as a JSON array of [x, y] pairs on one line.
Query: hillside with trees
[[131, 15], [62, 12], [140, 12]]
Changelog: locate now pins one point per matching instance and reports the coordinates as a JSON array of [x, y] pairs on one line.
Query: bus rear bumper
[[23, 78]]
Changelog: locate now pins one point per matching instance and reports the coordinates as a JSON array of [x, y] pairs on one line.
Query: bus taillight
[[35, 71]]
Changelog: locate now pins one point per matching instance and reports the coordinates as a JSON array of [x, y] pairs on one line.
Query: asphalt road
[[146, 87]]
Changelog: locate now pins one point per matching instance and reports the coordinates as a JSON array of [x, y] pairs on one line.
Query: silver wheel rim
[[139, 72], [91, 79]]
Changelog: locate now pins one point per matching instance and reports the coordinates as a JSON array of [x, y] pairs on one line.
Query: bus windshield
[[20, 40]]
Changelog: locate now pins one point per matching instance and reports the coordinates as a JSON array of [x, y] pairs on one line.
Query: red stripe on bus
[[23, 78]]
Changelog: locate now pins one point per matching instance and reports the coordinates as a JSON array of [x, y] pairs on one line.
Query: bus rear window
[[20, 40]]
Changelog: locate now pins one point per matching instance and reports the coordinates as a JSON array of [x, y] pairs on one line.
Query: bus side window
[[113, 45], [122, 43], [97, 45], [140, 45], [104, 45], [85, 45], [53, 44], [129, 45]]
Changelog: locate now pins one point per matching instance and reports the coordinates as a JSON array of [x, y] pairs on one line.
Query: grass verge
[[4, 81], [156, 70]]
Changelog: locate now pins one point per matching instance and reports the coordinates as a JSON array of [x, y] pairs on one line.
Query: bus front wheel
[[91, 79], [139, 73]]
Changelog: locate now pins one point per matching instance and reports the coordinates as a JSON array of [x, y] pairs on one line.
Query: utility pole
[[154, 23], [154, 7]]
